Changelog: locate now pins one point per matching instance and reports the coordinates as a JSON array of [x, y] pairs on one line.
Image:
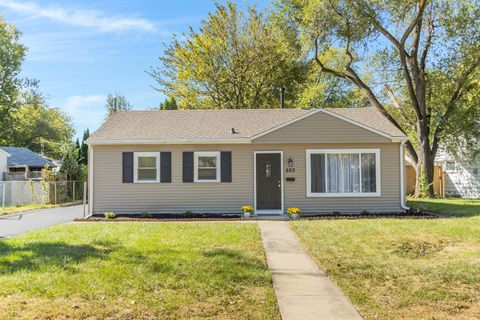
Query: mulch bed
[[165, 217], [374, 216], [217, 217]]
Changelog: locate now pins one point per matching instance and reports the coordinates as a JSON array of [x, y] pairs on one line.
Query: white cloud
[[82, 18], [85, 111]]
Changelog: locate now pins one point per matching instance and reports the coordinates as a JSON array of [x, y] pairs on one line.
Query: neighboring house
[[461, 175], [24, 164], [215, 161], [3, 163]]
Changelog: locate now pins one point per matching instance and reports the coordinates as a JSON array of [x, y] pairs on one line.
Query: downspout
[[402, 177], [90, 180]]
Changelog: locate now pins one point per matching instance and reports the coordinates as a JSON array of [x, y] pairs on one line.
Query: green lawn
[[401, 269], [137, 271], [453, 206]]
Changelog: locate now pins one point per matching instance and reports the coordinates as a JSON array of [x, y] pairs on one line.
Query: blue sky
[[82, 50]]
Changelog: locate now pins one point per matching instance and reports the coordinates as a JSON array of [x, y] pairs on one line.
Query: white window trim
[[136, 155], [378, 178], [195, 165]]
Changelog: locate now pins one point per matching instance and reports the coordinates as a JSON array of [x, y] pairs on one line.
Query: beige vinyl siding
[[110, 194], [321, 128]]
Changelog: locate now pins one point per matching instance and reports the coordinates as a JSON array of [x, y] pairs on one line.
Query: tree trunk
[[424, 169]]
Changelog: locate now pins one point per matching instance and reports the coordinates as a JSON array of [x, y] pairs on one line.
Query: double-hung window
[[343, 172], [207, 166], [146, 167]]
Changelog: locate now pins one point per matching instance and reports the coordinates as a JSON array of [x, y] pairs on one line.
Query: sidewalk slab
[[303, 290]]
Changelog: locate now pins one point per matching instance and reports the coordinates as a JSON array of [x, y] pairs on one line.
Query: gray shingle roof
[[20, 157], [194, 125]]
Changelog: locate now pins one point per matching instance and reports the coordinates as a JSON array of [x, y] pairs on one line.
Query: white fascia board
[[166, 141], [399, 139]]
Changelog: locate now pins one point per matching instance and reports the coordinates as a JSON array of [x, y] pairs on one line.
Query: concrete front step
[[274, 217]]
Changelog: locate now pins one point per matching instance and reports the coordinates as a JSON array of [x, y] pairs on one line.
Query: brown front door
[[269, 181]]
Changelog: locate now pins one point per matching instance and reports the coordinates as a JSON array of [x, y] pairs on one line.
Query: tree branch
[[370, 14], [397, 106], [404, 56], [325, 69], [452, 102], [416, 20], [428, 42]]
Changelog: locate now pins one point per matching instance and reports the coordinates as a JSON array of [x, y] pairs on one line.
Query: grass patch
[[137, 271], [401, 269], [453, 206], [18, 209]]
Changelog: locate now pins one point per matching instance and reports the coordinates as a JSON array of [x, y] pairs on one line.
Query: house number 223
[[290, 170]]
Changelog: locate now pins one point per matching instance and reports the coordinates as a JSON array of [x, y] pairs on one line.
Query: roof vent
[[232, 131]]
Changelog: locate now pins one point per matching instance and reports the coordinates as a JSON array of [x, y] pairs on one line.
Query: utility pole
[[282, 97]]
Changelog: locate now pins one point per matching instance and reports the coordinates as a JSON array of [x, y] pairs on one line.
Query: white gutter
[[90, 180], [93, 142], [402, 178]]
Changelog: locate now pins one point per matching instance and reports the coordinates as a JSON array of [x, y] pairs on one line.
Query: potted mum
[[247, 210], [294, 212]]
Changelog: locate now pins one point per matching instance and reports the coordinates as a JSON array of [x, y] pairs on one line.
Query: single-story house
[[454, 175], [216, 161], [18, 163], [461, 174]]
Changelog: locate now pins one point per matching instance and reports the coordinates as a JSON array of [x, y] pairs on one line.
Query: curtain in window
[[368, 172], [317, 173], [343, 172]]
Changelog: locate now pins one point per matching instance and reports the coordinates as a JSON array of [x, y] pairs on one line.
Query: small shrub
[[146, 214], [109, 215], [291, 211], [364, 212], [247, 209], [188, 214], [337, 213], [416, 211]]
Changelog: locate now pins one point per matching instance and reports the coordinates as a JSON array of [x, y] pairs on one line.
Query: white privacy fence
[[18, 193]]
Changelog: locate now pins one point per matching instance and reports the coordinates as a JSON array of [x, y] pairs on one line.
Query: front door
[[269, 181]]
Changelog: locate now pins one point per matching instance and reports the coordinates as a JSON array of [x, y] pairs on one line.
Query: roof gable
[[323, 127]]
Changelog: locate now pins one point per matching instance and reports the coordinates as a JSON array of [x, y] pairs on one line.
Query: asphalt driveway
[[19, 223]]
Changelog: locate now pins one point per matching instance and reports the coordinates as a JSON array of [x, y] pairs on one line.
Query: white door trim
[[281, 211]]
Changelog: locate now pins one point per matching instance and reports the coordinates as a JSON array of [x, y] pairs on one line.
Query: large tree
[[237, 59], [417, 62], [117, 102], [12, 54], [39, 127], [84, 148], [169, 104]]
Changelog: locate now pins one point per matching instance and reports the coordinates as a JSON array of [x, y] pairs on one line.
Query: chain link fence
[[21, 193]]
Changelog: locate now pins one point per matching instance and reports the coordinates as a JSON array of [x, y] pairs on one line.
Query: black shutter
[[226, 166], [165, 167], [127, 167], [188, 167]]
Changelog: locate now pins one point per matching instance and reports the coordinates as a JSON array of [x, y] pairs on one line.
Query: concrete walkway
[[19, 223], [303, 290]]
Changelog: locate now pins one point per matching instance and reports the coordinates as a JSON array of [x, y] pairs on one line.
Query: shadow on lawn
[[238, 267], [450, 206], [44, 255]]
